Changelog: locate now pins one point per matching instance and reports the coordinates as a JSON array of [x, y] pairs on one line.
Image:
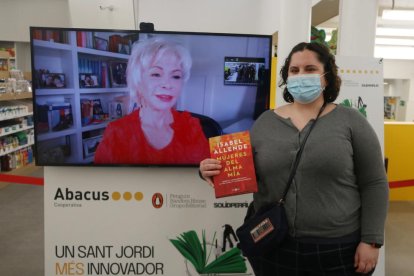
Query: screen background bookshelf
[[75, 56]]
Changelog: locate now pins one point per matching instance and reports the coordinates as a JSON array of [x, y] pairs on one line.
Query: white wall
[[268, 20], [402, 69], [89, 14], [229, 16], [17, 15]]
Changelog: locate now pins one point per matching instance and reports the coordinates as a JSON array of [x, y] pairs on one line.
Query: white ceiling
[[383, 49], [327, 9], [398, 4]]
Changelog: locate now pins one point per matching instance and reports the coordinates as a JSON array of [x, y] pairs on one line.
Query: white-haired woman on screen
[[154, 132]]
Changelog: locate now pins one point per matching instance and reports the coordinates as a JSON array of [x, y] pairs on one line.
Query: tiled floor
[[21, 231], [399, 238]]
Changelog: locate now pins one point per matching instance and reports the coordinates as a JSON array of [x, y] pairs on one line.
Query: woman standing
[[337, 203]]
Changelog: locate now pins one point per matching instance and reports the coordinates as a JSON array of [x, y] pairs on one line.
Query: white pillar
[[357, 24], [294, 27], [356, 37]]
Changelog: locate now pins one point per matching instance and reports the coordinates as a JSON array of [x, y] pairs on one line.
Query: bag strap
[[298, 155]]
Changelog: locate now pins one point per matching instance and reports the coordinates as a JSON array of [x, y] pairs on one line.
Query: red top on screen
[[129, 146]]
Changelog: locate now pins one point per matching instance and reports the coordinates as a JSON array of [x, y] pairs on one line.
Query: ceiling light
[[394, 52], [394, 41], [394, 32], [398, 15]]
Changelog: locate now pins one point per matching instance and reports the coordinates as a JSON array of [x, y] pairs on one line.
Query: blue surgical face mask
[[305, 88]]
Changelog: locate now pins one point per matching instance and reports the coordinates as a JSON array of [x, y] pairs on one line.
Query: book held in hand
[[237, 174]]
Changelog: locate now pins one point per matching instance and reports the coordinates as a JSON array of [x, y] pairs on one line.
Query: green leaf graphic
[[195, 251]]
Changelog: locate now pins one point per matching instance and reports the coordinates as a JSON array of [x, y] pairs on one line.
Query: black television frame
[[262, 102]]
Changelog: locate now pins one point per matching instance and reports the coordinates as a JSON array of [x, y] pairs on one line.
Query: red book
[[79, 39], [48, 35], [37, 34], [56, 37], [114, 41], [104, 75], [237, 174], [84, 39]]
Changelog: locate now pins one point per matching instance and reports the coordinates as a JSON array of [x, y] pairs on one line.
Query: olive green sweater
[[340, 185]]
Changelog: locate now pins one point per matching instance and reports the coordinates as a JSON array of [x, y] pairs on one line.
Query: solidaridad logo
[[68, 194]]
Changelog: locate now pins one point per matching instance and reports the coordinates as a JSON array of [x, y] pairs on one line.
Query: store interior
[[21, 215]]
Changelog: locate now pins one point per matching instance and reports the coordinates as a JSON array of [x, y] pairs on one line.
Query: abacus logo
[[68, 194], [81, 195], [157, 200], [127, 196]]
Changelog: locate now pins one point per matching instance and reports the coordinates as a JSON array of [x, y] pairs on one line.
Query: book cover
[[237, 174], [114, 40], [116, 109], [86, 111], [42, 122], [60, 116], [79, 39]]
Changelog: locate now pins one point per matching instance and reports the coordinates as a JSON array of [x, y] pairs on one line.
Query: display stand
[[100, 220]]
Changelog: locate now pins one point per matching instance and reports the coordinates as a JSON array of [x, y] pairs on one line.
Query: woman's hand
[[208, 168], [366, 257]]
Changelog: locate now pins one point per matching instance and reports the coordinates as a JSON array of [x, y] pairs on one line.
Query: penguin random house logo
[[66, 197], [185, 201], [177, 201], [157, 200]]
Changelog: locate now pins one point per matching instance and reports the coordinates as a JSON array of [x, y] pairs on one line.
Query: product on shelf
[[54, 116], [16, 159], [56, 36]]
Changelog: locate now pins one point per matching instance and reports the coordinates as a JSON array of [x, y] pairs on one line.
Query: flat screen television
[[134, 98]]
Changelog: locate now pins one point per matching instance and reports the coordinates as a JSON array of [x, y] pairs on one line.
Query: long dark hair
[[331, 91]]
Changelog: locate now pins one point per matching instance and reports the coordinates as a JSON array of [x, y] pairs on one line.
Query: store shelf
[[15, 96], [51, 92], [16, 116], [16, 124], [95, 126], [2, 153], [103, 90], [52, 45], [4, 133], [110, 55], [56, 134]]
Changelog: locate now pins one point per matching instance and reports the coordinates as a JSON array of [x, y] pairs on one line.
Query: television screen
[[127, 97]]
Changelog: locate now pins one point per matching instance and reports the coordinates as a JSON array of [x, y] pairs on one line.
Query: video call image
[[171, 82], [243, 71]]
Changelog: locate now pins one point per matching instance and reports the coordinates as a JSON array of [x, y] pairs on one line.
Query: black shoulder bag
[[264, 230]]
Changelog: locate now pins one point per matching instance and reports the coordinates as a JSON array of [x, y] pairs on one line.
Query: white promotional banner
[[119, 221], [363, 89]]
